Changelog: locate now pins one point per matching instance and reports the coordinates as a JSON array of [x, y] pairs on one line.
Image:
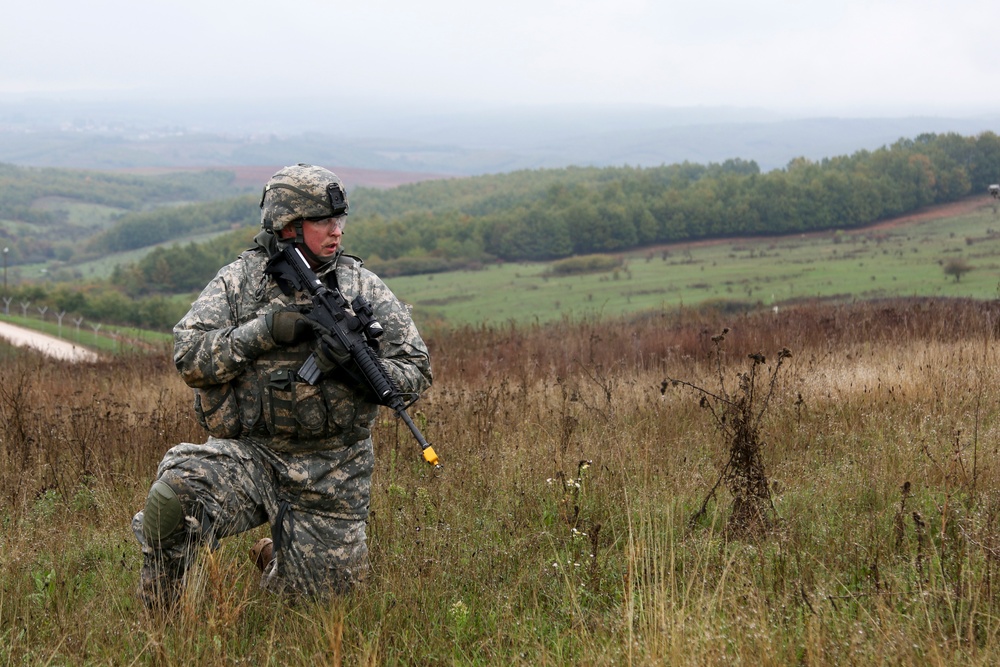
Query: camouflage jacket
[[245, 383]]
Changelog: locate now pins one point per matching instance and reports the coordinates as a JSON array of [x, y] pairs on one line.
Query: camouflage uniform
[[281, 451]]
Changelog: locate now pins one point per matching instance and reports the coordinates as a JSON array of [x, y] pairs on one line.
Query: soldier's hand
[[330, 353], [288, 327]]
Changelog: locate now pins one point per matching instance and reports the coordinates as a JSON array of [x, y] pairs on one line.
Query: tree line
[[95, 302], [146, 228], [557, 213], [36, 203], [21, 187], [622, 208]]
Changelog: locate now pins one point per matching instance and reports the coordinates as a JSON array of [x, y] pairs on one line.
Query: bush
[[585, 264]]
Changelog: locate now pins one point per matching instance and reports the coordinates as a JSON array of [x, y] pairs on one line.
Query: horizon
[[886, 58], [126, 132], [319, 114]]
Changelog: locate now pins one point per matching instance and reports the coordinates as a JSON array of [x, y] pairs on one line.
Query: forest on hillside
[[526, 215], [551, 214], [48, 213]]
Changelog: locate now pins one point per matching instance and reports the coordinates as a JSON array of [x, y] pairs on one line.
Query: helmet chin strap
[[300, 241]]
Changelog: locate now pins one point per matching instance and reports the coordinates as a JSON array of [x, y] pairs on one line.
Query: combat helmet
[[300, 192]]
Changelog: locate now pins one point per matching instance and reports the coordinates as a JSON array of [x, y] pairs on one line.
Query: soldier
[[280, 450]]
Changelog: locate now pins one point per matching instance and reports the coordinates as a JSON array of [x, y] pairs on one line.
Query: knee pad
[[163, 515]]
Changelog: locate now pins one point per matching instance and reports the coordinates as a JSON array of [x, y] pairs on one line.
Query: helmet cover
[[298, 192]]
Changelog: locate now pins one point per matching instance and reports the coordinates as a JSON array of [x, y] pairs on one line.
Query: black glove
[[288, 327], [331, 353]]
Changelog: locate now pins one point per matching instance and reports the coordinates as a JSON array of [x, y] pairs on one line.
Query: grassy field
[[890, 261], [81, 215], [564, 527], [109, 339]]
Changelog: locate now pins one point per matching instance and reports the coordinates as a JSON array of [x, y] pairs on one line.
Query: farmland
[[901, 258]]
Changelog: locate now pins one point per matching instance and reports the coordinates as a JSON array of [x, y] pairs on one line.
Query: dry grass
[[558, 531]]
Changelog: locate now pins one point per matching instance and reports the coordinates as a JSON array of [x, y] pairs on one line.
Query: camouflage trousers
[[316, 503]]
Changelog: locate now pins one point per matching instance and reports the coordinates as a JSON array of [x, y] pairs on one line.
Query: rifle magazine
[[310, 372]]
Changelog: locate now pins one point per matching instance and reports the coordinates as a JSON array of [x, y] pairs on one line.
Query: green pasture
[[906, 260], [81, 214], [899, 261]]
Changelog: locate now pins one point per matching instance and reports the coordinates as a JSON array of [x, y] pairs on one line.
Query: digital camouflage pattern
[[299, 191], [282, 452], [321, 498]]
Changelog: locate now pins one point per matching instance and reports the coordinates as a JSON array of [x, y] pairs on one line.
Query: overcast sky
[[847, 57]]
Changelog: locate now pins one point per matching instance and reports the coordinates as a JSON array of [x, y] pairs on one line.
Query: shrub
[[585, 264]]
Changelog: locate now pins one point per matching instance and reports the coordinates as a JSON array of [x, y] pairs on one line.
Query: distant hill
[[453, 142], [254, 177]]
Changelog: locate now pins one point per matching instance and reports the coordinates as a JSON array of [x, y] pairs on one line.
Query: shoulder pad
[[253, 250], [349, 260]]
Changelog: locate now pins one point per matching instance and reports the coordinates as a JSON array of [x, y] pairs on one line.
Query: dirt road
[[50, 345]]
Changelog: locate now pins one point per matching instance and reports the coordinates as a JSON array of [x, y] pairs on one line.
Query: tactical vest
[[269, 401]]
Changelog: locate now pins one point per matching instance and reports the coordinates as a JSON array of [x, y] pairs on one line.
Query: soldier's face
[[322, 237]]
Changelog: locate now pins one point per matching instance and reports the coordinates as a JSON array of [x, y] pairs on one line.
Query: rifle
[[357, 333]]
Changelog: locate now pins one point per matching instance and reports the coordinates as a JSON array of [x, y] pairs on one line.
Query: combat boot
[[161, 581], [262, 553]]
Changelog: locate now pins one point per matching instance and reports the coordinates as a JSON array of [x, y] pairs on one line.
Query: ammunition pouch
[[293, 412], [217, 410], [292, 408], [269, 400]]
